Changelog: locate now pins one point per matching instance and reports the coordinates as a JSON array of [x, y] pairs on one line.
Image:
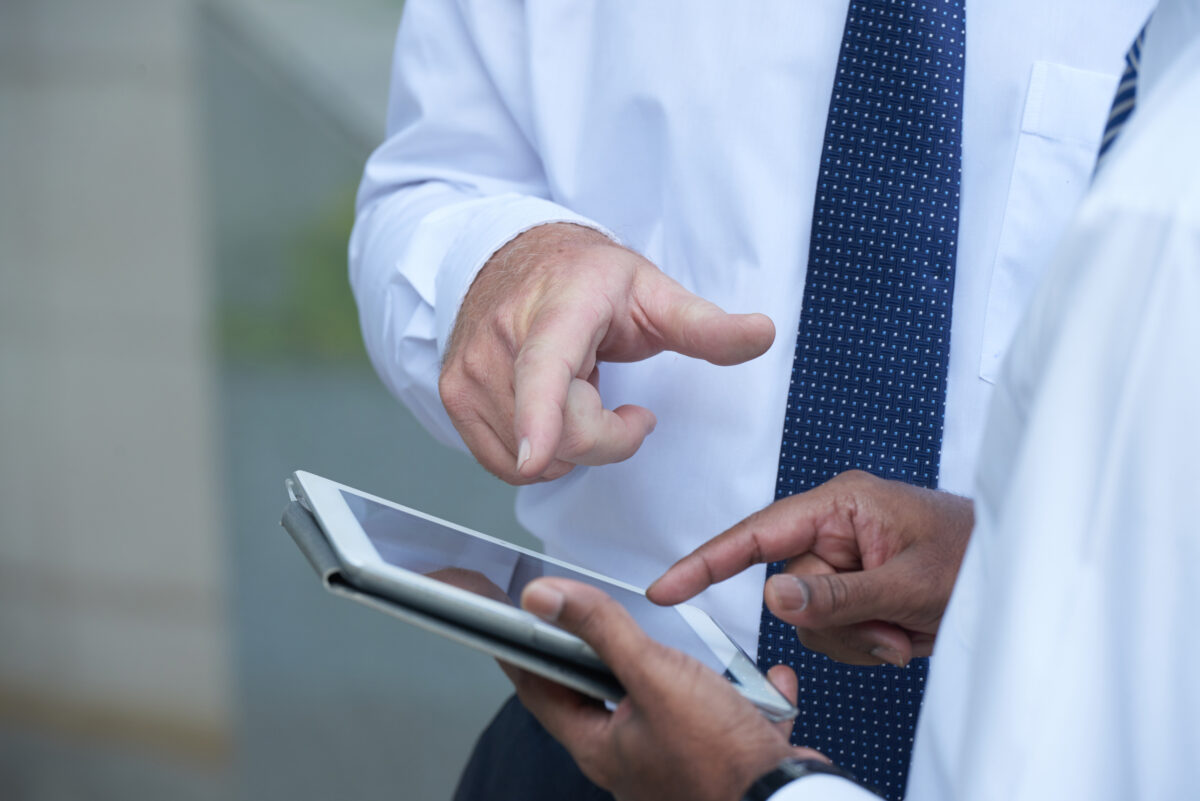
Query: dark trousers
[[516, 759]]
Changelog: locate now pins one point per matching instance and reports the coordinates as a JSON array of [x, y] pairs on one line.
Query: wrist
[[533, 245], [790, 770], [517, 272], [752, 761], [475, 231]]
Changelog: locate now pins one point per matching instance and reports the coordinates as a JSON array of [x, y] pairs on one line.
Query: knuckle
[[530, 355], [710, 571], [450, 379], [596, 617], [837, 595], [456, 397], [854, 482], [757, 551], [576, 442], [542, 357], [666, 666], [478, 363]]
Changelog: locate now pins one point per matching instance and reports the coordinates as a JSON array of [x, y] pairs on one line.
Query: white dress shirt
[[692, 131], [1065, 664]]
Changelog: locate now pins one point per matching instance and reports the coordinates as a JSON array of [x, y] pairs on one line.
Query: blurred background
[[176, 336]]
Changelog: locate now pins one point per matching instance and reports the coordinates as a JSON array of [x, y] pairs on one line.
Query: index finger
[[560, 343], [782, 530]]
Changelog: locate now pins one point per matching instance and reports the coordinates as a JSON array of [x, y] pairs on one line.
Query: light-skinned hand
[[870, 565], [521, 373]]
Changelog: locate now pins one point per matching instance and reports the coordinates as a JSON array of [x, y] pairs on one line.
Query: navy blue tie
[[1126, 97], [868, 383]]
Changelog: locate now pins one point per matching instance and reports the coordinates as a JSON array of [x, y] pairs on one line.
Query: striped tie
[[1126, 98]]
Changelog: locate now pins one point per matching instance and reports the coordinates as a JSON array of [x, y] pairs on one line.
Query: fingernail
[[651, 590], [887, 654], [545, 602], [523, 453], [791, 593]]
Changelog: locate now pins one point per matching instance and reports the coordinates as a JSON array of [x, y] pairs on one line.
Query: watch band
[[788, 771]]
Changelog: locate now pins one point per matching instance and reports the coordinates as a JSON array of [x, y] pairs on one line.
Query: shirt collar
[[1174, 27]]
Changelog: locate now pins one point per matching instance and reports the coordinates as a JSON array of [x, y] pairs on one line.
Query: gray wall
[[176, 336], [389, 710], [112, 600]]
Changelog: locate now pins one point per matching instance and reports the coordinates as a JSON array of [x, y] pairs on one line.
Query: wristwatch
[[788, 771]]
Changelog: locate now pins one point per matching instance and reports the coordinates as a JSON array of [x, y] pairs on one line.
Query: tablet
[[472, 582]]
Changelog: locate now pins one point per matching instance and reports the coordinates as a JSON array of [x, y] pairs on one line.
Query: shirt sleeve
[[823, 788], [455, 179]]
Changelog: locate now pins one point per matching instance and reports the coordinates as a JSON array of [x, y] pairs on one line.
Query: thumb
[[695, 327], [592, 615], [819, 601]]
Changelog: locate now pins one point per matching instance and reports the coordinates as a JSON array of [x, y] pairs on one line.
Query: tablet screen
[[501, 573]]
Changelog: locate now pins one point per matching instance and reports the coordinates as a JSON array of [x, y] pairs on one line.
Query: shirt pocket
[[1065, 113]]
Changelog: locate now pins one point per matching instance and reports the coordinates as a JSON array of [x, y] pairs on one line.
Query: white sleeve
[[823, 788], [455, 179]]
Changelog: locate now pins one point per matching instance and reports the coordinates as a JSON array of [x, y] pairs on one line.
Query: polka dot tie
[[868, 383]]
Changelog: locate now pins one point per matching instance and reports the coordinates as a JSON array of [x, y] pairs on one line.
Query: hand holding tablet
[[467, 586]]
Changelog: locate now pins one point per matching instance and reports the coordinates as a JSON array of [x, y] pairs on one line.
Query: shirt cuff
[[491, 227], [818, 787]]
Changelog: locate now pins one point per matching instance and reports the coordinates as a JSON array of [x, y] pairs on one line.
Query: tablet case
[[311, 539]]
